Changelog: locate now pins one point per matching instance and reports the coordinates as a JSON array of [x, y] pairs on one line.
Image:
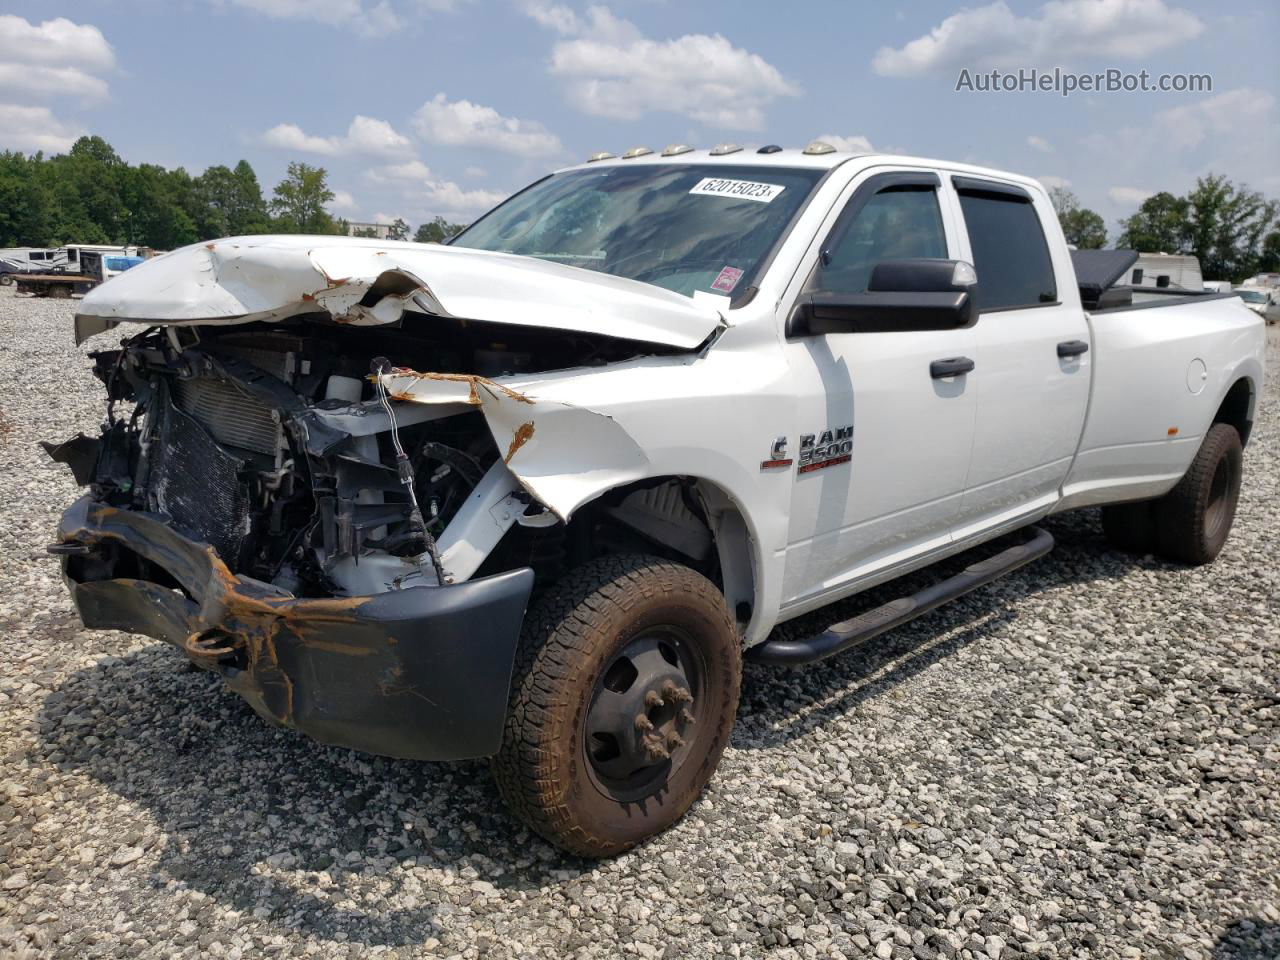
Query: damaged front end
[[257, 500], [310, 482]]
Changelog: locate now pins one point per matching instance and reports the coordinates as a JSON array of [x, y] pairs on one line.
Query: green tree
[[437, 231], [1269, 261], [300, 200], [25, 202], [159, 207], [399, 230], [1228, 226], [369, 232], [248, 214], [1161, 225], [1083, 227]]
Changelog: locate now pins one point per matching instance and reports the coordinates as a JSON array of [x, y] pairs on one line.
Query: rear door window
[[1010, 252]]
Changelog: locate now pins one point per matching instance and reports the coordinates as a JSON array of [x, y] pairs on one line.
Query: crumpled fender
[[562, 454]]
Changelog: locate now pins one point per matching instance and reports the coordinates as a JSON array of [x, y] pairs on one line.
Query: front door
[[881, 446]]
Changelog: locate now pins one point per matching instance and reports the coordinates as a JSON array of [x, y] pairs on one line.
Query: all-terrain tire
[[1130, 527], [547, 770], [1193, 519]]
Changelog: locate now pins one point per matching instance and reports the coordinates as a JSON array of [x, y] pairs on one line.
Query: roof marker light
[[675, 149], [636, 152], [721, 149], [602, 155], [817, 148], [770, 148]]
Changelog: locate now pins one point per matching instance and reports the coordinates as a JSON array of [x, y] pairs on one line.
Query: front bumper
[[421, 673]]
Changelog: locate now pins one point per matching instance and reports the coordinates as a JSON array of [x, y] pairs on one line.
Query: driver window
[[898, 223]]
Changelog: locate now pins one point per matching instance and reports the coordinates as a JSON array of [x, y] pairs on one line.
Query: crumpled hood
[[371, 282]]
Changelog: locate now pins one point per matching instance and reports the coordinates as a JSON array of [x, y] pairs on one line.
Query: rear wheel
[[1193, 519], [624, 695], [1130, 527]]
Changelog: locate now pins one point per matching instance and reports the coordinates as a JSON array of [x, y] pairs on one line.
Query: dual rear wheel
[[1190, 523]]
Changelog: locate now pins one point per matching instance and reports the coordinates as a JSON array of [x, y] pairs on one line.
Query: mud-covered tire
[[6, 280], [1193, 519], [1130, 527], [548, 770]]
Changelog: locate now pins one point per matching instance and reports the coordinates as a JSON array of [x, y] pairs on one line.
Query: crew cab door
[[1032, 379], [880, 446]]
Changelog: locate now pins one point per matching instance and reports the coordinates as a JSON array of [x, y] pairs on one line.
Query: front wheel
[[624, 695]]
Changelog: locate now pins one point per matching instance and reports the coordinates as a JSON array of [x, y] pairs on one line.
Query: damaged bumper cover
[[403, 674]]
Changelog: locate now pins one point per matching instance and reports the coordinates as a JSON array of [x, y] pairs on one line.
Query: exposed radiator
[[232, 416]]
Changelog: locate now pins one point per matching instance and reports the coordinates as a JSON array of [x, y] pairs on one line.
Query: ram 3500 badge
[[506, 497]]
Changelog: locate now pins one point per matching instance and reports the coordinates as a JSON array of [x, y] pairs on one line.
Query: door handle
[[950, 367], [1072, 348]]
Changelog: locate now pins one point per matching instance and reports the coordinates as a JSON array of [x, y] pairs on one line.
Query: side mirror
[[922, 294]]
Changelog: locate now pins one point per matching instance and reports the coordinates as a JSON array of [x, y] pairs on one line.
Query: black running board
[[841, 636]]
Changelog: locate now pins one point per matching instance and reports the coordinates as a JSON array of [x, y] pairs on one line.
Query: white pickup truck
[[534, 494]]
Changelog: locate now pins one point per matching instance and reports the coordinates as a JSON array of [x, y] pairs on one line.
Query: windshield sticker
[[737, 189], [727, 280]]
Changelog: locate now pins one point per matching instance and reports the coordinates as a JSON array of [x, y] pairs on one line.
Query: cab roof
[[794, 157]]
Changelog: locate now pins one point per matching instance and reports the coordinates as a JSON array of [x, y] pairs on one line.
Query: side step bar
[[841, 636]]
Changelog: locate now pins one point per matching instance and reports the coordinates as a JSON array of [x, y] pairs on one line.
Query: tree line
[[91, 195], [1233, 231]]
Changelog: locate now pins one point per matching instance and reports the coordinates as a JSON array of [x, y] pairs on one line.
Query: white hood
[[246, 279]]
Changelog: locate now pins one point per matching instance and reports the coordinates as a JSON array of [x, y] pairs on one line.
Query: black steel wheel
[[624, 694]]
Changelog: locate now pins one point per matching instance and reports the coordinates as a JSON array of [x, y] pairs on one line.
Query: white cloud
[[446, 198], [1234, 111], [55, 43], [474, 172], [365, 135], [461, 123], [289, 136], [411, 171], [855, 144], [1051, 182], [376, 137], [387, 218], [342, 200], [371, 18], [56, 59], [48, 82], [1128, 196], [612, 70], [34, 128], [1061, 31], [321, 11], [1039, 143]]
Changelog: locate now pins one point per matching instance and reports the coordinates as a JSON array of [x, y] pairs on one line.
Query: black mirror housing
[[920, 294]]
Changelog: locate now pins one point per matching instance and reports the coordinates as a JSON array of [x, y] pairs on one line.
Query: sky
[[426, 107]]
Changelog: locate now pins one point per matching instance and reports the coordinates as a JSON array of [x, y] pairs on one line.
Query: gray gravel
[[1078, 761]]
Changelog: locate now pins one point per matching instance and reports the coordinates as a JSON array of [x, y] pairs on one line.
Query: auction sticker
[[727, 280], [737, 189]]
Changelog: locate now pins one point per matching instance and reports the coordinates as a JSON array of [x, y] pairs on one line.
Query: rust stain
[[308, 298], [475, 382], [519, 439], [210, 246]]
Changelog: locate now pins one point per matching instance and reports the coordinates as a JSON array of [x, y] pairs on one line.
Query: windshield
[[1252, 296], [685, 227]]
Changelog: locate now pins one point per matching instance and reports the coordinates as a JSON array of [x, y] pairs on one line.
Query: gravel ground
[[1080, 761]]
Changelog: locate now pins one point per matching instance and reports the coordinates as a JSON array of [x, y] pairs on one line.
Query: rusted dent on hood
[[519, 439], [474, 381]]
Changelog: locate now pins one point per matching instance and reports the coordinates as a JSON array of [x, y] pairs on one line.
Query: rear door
[[1033, 342]]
